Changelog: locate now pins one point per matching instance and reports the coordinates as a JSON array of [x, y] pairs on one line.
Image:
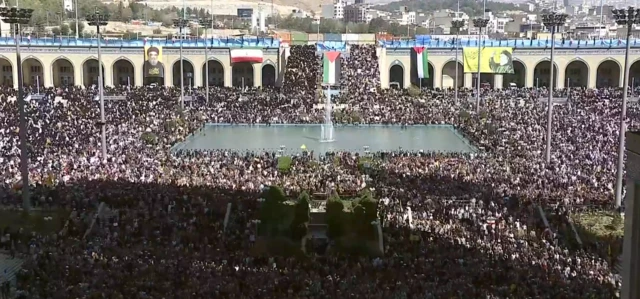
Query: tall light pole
[[628, 17], [77, 26], [552, 21], [457, 24], [181, 23], [206, 23], [100, 19], [17, 17], [479, 23]]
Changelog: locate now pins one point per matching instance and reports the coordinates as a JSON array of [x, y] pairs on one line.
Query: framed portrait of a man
[[153, 66]]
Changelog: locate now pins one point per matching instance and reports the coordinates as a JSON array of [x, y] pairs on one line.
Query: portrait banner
[[494, 60], [153, 66]]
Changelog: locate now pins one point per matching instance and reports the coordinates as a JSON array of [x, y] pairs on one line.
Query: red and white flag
[[246, 55]]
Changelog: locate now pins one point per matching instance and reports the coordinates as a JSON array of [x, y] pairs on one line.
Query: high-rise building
[[356, 13]]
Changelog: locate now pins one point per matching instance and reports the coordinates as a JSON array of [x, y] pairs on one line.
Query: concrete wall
[[569, 64], [583, 67], [50, 59]]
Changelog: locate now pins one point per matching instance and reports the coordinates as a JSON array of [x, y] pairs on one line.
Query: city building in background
[[357, 13]]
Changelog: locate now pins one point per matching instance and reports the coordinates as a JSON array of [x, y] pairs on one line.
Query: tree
[[272, 212], [471, 7], [335, 217], [72, 28], [64, 29], [197, 31], [126, 15], [378, 25], [300, 225]]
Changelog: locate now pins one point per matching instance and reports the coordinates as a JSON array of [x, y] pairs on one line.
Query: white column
[[498, 80]]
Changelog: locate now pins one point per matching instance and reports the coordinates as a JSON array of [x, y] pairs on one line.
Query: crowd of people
[[456, 225]]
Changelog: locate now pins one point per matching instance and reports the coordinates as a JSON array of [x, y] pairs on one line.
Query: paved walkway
[[9, 267]]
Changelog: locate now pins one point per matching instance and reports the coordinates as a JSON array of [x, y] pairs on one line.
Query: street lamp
[[17, 17], [628, 17], [552, 21], [181, 23], [457, 24], [100, 19], [206, 23], [479, 23]]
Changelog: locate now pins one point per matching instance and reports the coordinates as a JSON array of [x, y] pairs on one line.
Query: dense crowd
[[456, 225]]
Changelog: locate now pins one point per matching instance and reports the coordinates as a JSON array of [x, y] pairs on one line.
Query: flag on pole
[[331, 67], [422, 62]]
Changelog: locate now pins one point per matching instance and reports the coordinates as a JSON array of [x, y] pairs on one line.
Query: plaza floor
[[435, 138]]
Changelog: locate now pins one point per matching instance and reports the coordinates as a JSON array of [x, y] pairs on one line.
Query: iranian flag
[[422, 62], [246, 55], [331, 67]]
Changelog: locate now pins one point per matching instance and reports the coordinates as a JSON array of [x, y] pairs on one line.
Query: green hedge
[[284, 163], [149, 138]]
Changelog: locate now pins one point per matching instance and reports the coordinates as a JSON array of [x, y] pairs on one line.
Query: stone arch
[[6, 69], [123, 71], [242, 74], [32, 71], [90, 72], [449, 74], [187, 72], [268, 75], [577, 73], [542, 73], [215, 73], [63, 71], [396, 75], [610, 74], [519, 76]]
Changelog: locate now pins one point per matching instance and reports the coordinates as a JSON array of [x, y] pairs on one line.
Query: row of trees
[[472, 8], [280, 217], [356, 221], [353, 218], [376, 25], [52, 12]]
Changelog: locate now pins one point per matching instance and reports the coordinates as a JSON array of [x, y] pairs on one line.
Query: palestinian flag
[[331, 67], [422, 62]]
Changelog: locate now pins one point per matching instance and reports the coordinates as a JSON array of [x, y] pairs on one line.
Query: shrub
[[299, 226], [464, 115], [149, 138], [335, 217], [273, 212], [414, 91], [284, 163], [170, 125]]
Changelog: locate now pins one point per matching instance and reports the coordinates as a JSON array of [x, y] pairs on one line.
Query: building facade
[[124, 63]]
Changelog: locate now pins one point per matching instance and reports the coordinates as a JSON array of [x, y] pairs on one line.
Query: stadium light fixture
[[479, 23], [552, 21], [624, 17], [16, 17], [181, 23], [98, 19], [206, 23], [457, 25]]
